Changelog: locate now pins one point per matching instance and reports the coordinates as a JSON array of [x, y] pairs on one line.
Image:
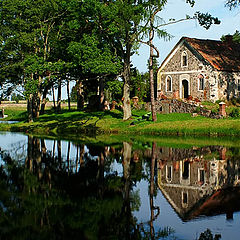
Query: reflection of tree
[[207, 235], [151, 194], [42, 199]]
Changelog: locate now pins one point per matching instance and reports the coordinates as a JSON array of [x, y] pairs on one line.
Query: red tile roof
[[224, 56]]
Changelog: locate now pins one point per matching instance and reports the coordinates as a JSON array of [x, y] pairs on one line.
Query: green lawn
[[111, 122]]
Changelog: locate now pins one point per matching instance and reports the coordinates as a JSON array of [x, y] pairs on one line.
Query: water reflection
[[200, 182], [58, 190]]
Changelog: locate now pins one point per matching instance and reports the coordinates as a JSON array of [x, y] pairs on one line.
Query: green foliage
[[235, 37], [93, 56], [235, 113], [140, 86], [17, 97], [114, 89], [234, 101], [206, 20]]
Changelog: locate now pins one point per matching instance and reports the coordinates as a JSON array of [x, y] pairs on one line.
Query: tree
[[30, 32], [235, 37], [92, 57]]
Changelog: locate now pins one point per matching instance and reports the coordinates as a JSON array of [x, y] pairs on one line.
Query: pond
[[57, 189], [8, 122]]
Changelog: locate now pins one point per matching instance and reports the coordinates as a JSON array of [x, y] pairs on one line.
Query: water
[[8, 122], [53, 189]]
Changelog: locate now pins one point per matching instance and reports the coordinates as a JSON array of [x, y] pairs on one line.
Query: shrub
[[233, 101], [235, 113], [198, 109]]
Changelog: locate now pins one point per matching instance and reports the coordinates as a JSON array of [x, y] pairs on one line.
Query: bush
[[235, 113], [234, 101], [198, 109]]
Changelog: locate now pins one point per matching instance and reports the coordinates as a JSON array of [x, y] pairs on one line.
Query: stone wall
[[175, 106]]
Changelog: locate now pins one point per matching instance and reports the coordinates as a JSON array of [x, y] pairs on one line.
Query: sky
[[177, 9]]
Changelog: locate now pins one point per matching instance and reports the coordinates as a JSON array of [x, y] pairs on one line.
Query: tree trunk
[[59, 149], [82, 151], [68, 156], [151, 75], [53, 92], [68, 95], [127, 113], [77, 158], [30, 108], [151, 194], [59, 96], [127, 153], [36, 105], [29, 158], [101, 94], [80, 98], [44, 101], [53, 150]]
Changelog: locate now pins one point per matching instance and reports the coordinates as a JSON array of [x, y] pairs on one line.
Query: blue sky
[[177, 9]]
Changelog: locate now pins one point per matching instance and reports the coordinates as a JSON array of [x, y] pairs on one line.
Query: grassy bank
[[75, 123]]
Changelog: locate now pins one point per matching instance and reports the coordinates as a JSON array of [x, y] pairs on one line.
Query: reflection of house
[[195, 186], [203, 69]]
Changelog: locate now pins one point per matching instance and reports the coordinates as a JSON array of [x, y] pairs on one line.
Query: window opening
[[201, 82], [169, 84], [184, 59]]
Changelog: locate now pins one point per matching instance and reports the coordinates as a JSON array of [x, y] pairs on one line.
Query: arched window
[[168, 84], [200, 82], [184, 59]]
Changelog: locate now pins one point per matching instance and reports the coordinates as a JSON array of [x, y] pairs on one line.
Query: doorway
[[185, 89]]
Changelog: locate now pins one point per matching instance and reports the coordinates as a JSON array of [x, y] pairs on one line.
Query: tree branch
[[151, 45], [176, 21]]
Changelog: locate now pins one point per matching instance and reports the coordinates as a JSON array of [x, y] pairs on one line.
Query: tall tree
[[29, 33], [93, 58]]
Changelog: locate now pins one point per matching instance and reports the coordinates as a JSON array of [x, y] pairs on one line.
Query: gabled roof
[[223, 56]]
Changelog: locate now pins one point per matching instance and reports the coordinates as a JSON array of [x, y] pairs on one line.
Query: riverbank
[[110, 122]]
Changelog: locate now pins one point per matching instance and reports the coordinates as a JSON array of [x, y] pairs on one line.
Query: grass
[[75, 123]]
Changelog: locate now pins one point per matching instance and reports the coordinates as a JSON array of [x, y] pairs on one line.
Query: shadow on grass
[[77, 116], [71, 121]]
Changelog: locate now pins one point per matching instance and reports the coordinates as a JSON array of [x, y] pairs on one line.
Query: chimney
[[222, 109]]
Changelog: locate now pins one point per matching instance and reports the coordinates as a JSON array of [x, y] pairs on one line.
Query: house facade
[[205, 70]]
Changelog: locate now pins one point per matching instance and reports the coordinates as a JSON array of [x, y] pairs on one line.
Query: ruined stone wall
[[175, 106]]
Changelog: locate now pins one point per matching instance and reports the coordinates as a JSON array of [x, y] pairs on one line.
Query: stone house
[[205, 70]]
